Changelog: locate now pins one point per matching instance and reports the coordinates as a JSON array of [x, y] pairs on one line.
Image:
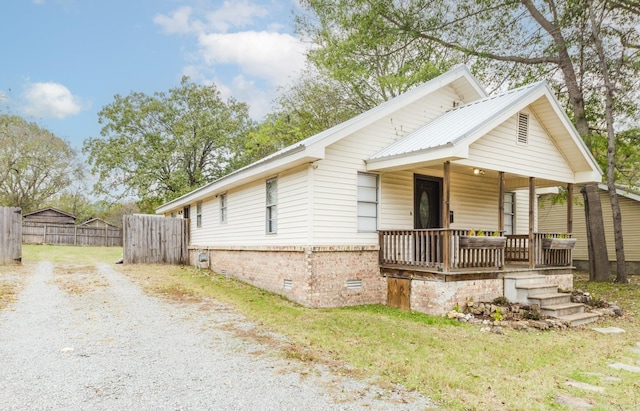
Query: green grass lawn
[[457, 365]]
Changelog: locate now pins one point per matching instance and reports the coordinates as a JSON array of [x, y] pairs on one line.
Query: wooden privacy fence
[[150, 239], [70, 234], [10, 235]]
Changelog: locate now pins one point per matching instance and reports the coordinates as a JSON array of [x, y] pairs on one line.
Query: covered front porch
[[503, 239], [441, 252], [480, 247]]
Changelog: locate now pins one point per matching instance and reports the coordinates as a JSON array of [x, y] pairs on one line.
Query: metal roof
[[457, 124]]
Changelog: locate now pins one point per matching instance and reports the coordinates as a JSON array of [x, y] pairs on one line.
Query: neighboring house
[[551, 217], [98, 223], [49, 215], [377, 209]]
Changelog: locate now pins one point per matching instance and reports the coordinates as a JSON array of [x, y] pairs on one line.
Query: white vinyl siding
[[335, 183], [474, 200], [246, 214], [539, 157], [367, 202]]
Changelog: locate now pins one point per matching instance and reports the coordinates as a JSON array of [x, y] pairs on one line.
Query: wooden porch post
[[501, 202], [570, 208], [532, 199], [446, 222]]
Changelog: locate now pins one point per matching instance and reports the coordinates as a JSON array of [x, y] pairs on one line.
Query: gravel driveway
[[90, 339]]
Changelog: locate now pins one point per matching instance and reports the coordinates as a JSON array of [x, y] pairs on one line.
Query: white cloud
[[273, 57], [229, 15], [235, 14], [51, 100], [241, 47], [178, 21]]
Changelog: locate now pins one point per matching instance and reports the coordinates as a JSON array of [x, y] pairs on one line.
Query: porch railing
[[426, 248]]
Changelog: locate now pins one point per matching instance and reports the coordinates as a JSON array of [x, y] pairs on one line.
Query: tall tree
[[35, 165], [371, 60], [161, 146]]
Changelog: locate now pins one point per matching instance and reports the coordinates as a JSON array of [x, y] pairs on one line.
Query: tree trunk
[[621, 272], [599, 269]]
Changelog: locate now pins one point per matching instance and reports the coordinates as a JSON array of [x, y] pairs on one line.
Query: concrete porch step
[[575, 320], [559, 310], [513, 282], [529, 290], [550, 299]]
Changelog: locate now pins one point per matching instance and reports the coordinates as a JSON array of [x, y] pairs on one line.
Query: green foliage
[[358, 47], [162, 146], [35, 165], [76, 203], [502, 300], [310, 105], [497, 316]]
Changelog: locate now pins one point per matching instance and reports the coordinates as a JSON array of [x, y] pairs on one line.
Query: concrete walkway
[[632, 371]]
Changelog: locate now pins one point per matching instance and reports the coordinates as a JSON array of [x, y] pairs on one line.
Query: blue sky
[[63, 60]]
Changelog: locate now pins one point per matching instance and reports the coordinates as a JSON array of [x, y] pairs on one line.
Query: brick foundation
[[312, 276], [325, 277]]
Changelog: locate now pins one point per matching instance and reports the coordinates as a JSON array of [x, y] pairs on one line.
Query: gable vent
[[523, 128]]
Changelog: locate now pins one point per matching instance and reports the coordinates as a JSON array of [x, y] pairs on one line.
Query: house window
[[199, 214], [367, 203], [272, 204], [509, 213], [523, 128], [185, 211], [223, 208]]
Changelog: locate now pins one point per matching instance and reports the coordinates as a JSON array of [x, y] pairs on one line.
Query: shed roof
[[55, 210], [95, 219]]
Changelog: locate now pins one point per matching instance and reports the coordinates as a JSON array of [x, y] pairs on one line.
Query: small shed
[[98, 223], [49, 215]]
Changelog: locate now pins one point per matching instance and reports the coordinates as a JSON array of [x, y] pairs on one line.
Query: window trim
[[271, 208], [376, 202], [512, 214], [223, 208], [199, 214]]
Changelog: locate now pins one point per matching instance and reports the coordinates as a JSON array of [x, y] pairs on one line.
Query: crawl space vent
[[354, 284], [288, 284]]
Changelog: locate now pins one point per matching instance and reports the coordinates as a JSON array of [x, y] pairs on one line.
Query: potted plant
[[560, 242], [478, 239]]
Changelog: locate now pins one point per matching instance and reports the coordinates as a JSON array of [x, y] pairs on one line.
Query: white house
[[377, 206]]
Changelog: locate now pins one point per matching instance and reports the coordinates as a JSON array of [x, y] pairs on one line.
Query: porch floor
[[468, 274]]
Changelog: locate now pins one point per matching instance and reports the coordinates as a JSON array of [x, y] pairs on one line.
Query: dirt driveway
[[87, 338]]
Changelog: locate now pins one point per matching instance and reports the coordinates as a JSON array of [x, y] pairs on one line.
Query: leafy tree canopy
[[159, 147], [35, 165]]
